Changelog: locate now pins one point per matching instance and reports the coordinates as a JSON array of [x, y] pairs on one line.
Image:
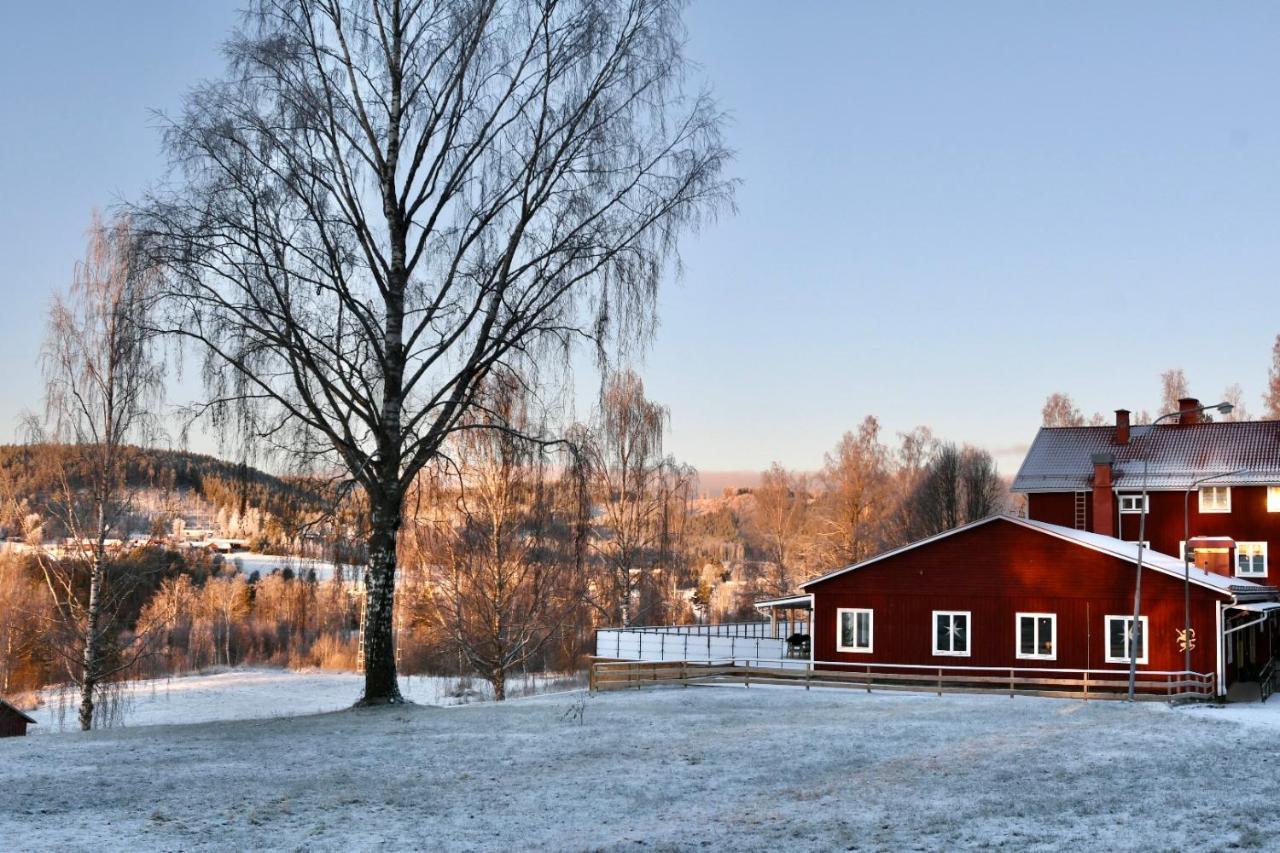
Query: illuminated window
[[1215, 499], [1251, 559], [1273, 498]]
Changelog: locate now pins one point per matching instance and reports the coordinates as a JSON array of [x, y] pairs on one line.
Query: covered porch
[[791, 620]]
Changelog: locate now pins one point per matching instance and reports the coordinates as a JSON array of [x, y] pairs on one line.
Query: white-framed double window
[[951, 632], [1251, 559], [1119, 635], [1215, 499], [1133, 504], [1037, 636], [1273, 498], [854, 629]]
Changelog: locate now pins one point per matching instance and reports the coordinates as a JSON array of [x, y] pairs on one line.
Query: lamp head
[[1225, 408]]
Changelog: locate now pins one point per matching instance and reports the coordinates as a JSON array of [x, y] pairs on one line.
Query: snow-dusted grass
[[703, 768], [242, 694]]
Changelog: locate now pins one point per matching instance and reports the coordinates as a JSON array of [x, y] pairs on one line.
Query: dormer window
[[1215, 499], [1133, 504]]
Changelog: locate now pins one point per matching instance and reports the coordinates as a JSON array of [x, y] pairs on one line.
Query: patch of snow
[[248, 693]]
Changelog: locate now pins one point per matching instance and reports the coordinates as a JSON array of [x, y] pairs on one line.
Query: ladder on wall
[[1082, 509]]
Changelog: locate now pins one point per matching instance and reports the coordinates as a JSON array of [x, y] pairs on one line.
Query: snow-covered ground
[[703, 768], [243, 694], [265, 564]]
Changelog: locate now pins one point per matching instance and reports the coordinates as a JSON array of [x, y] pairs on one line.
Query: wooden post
[[1086, 685], [868, 678], [939, 681], [1011, 684]]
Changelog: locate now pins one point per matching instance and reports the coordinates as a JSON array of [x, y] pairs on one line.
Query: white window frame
[[1261, 574], [1106, 638], [871, 629], [968, 628], [1273, 498], [1214, 490], [1140, 504], [1053, 635]]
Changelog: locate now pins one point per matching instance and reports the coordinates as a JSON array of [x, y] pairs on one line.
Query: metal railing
[[629, 644], [1267, 680], [1066, 683]]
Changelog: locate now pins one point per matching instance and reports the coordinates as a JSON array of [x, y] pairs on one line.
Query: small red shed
[[1014, 593], [13, 723]]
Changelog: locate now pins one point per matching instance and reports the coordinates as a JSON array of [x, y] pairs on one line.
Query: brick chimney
[[1188, 411], [1122, 426], [1104, 501]]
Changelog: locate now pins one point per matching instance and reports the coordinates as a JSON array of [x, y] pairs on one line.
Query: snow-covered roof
[[1061, 458], [797, 601], [1128, 551]]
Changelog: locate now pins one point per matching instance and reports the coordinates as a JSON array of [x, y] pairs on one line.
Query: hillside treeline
[[512, 554]]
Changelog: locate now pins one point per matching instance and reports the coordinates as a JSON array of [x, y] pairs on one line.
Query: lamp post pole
[[1135, 627]]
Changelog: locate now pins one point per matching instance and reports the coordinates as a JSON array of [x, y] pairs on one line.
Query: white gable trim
[[1048, 530]]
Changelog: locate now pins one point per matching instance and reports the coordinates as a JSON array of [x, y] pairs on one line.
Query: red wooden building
[[13, 723], [1225, 474], [1019, 593]]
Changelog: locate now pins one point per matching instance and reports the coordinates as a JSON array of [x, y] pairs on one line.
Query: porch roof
[[789, 602]]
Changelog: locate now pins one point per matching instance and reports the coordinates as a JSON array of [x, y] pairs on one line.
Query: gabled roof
[[4, 704], [1061, 458], [1163, 563]]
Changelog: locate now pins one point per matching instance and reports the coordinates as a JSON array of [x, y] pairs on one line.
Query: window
[[1132, 504], [1251, 559], [1273, 498], [855, 630], [1119, 636], [1215, 499], [951, 633], [1037, 635]]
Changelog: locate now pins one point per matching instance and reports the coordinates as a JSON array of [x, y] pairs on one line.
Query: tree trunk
[[498, 678], [92, 641], [380, 683]]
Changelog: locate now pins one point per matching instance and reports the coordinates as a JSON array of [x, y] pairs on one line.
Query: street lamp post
[[1136, 625], [1186, 559]]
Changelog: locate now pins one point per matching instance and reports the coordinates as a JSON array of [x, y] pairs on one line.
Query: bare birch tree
[[503, 575], [103, 380], [780, 512], [1271, 399], [640, 493], [386, 200]]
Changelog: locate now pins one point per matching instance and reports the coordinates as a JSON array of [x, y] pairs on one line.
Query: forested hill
[[30, 474]]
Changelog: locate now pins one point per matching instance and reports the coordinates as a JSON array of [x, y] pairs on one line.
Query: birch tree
[[103, 380], [384, 201], [641, 495], [504, 571]]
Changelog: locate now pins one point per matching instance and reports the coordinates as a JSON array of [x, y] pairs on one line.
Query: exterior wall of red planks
[[995, 571], [1248, 521]]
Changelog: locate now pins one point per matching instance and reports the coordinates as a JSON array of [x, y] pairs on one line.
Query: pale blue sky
[[947, 210]]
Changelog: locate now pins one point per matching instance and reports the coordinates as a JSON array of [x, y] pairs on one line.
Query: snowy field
[[243, 694], [703, 768]]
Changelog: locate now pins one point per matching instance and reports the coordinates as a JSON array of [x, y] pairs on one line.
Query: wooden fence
[[1011, 681]]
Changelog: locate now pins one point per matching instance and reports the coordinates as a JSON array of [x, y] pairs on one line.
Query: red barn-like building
[[1026, 594], [1225, 474]]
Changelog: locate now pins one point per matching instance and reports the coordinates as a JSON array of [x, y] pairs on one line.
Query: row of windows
[[1212, 499], [1035, 634]]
